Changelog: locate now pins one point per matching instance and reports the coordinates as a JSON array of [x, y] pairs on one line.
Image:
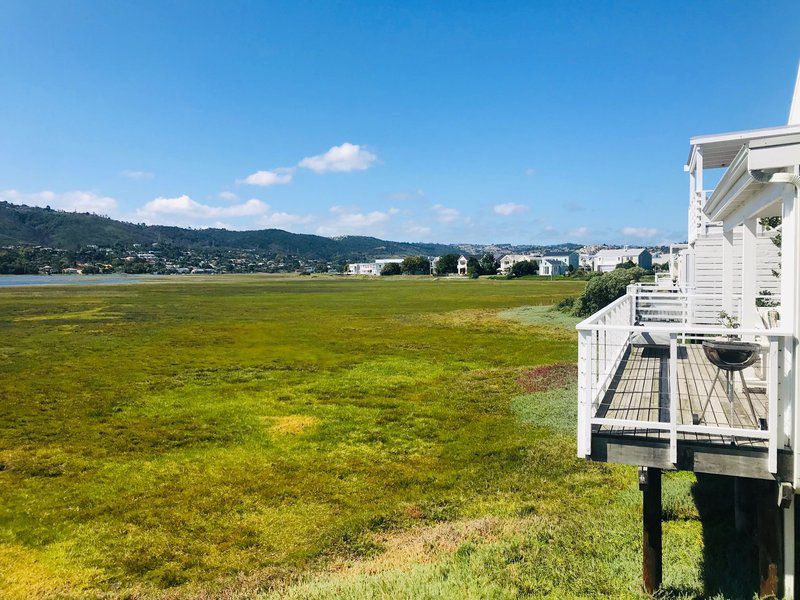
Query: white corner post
[[727, 271], [673, 398], [790, 319], [749, 316], [584, 393]]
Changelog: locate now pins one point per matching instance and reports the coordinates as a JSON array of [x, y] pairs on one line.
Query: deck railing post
[[772, 404], [585, 393], [673, 398]]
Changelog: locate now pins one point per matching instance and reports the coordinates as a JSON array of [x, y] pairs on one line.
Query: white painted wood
[[794, 109], [673, 398], [749, 280], [727, 271], [772, 408], [761, 202], [631, 424], [755, 434], [788, 271], [772, 157], [584, 394]]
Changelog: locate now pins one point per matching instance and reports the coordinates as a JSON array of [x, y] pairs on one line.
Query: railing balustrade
[[673, 321]]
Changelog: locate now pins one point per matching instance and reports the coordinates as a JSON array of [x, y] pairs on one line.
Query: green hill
[[20, 224]]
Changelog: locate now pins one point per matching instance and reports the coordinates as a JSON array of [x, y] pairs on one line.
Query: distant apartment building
[[558, 263], [509, 260], [608, 259], [462, 265], [371, 268]]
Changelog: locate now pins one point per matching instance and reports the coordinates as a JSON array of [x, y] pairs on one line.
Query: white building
[[721, 393], [608, 259], [462, 265], [558, 263], [371, 268], [509, 260]]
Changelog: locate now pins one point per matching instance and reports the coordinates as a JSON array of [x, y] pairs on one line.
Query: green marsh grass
[[307, 437]]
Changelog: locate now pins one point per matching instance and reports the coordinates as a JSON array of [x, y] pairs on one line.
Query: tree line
[[446, 265]]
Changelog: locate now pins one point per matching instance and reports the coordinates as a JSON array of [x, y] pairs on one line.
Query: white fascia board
[[736, 177], [757, 203], [773, 157], [744, 135]]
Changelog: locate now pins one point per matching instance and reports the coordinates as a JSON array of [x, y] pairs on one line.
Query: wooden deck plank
[[640, 391]]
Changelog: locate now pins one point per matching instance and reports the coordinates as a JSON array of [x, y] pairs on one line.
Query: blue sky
[[453, 122]]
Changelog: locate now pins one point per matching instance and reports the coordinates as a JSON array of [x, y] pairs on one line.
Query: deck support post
[[650, 484], [769, 534], [789, 538], [743, 505]]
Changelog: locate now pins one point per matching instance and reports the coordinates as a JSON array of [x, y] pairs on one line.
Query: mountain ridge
[[30, 225]]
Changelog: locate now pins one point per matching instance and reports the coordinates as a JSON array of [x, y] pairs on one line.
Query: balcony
[[649, 395]]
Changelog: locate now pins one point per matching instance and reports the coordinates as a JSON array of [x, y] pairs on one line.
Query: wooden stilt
[[769, 531], [650, 484], [743, 505]]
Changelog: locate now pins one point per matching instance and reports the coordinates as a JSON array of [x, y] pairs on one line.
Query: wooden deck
[[640, 391]]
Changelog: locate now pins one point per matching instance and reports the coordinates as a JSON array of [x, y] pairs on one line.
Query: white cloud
[[190, 210], [340, 159], [228, 196], [279, 176], [639, 232], [416, 230], [403, 196], [445, 214], [347, 221], [509, 208], [579, 232], [75, 201], [283, 219], [131, 174]]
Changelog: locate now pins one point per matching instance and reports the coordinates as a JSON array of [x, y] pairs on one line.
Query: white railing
[[666, 320]]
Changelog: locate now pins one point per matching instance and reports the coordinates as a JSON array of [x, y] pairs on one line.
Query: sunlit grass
[[309, 437]]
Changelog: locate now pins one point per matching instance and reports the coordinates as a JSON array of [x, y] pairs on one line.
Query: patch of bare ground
[[548, 377]]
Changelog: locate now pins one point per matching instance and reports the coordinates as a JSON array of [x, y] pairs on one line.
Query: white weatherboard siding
[[708, 270]]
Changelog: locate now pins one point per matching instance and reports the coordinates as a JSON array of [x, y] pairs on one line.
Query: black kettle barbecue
[[731, 356]]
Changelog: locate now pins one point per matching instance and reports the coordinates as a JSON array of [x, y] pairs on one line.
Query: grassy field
[[260, 437]]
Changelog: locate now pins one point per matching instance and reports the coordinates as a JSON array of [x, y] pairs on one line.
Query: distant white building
[[662, 259], [434, 264], [558, 263], [462, 265], [509, 260], [371, 268], [608, 259]]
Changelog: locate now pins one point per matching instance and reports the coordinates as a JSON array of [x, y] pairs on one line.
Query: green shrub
[[602, 290], [416, 265], [447, 264], [567, 304], [525, 267], [391, 269]]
